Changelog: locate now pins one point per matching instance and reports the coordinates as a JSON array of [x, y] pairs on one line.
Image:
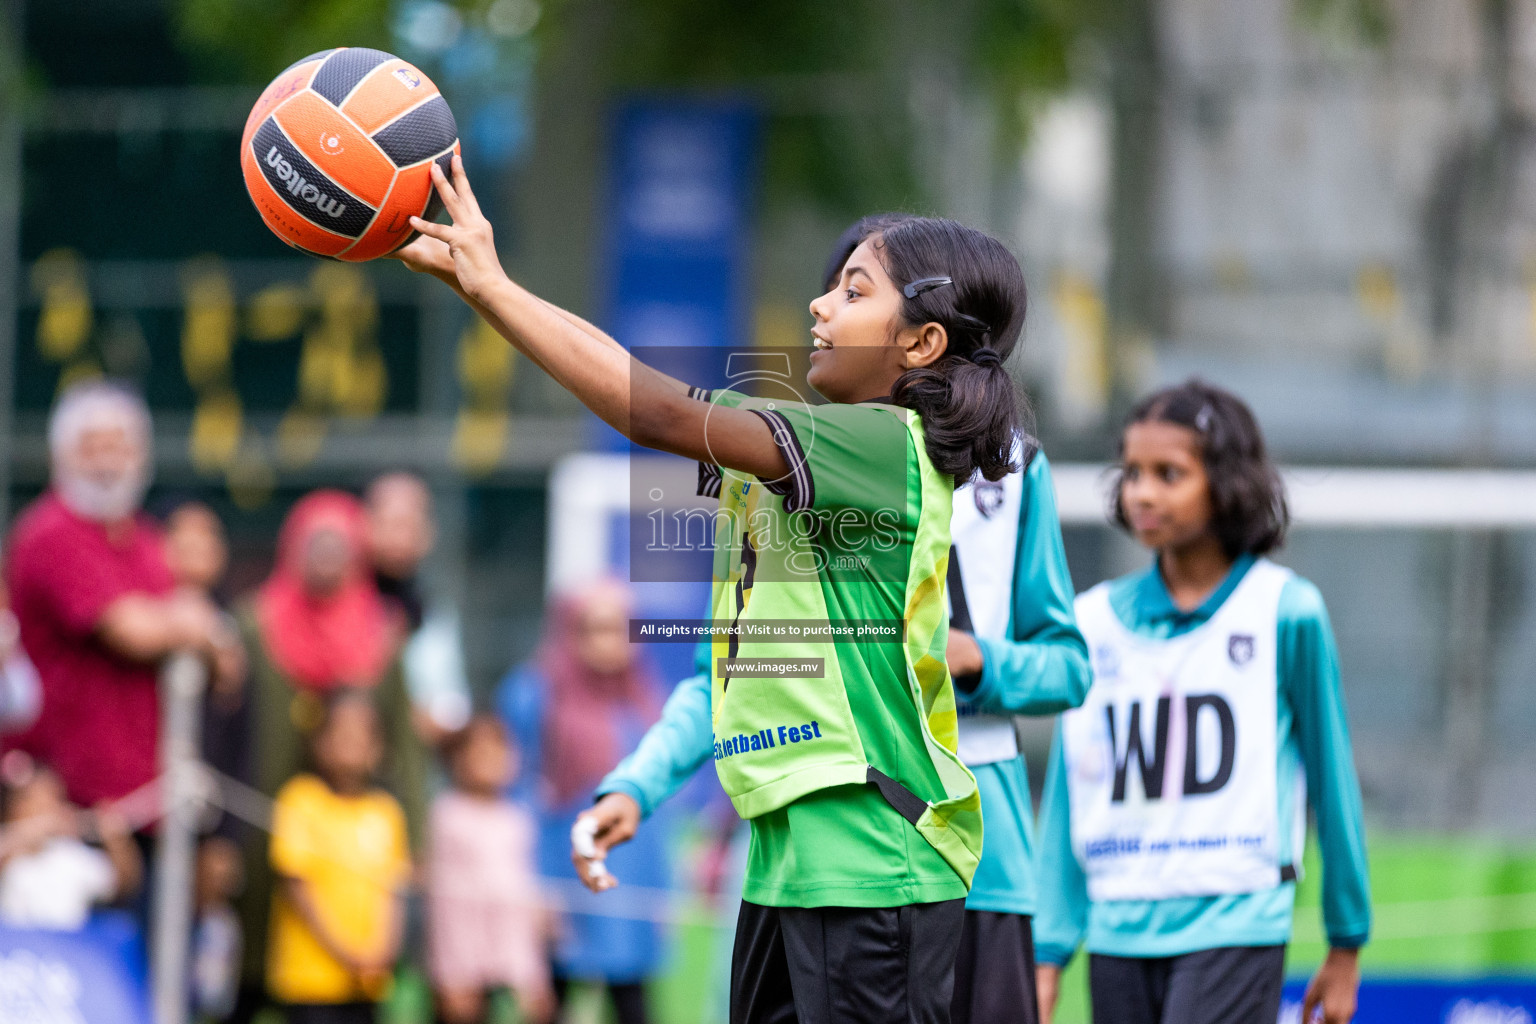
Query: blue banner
[[679, 235], [92, 976], [679, 232], [1422, 1001]]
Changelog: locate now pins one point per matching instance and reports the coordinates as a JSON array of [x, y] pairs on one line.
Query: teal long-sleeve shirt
[[1041, 669], [1312, 729]]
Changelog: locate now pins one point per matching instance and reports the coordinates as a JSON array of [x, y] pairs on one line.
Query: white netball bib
[[985, 528], [1172, 757]]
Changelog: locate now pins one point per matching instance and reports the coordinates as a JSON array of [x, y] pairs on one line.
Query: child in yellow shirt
[[340, 854]]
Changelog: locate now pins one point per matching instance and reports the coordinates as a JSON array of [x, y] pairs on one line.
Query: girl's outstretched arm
[[643, 404]]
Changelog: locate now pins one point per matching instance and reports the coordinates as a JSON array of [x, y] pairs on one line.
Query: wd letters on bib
[[1172, 758]]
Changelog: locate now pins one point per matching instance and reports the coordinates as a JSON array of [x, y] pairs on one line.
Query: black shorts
[[845, 965], [995, 970], [331, 1013], [1228, 985]]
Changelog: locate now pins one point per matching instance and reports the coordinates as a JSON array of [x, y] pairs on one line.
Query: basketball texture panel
[[419, 134], [289, 83], [392, 229], [390, 90], [344, 70], [334, 145]]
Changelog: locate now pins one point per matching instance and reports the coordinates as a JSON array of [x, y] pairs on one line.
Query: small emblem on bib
[[989, 497], [1240, 648], [1106, 662]]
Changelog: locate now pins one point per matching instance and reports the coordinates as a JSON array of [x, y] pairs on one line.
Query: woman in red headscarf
[[318, 625], [578, 706]]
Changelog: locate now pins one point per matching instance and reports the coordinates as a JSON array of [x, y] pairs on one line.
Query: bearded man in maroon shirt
[[95, 602]]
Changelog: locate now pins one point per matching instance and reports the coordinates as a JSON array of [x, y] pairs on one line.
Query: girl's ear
[[925, 345]]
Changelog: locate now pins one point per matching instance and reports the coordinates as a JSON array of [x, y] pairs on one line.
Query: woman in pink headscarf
[[578, 706], [318, 625]]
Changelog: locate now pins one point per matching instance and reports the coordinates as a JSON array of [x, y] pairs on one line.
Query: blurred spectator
[[21, 694], [582, 703], [49, 876], [216, 937], [315, 626], [339, 851], [95, 601], [198, 554], [485, 925], [401, 533]]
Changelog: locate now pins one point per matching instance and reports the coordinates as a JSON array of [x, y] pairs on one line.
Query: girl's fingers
[[431, 229], [450, 197], [461, 186]]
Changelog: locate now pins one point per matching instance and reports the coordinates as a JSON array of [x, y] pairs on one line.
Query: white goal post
[[587, 490]]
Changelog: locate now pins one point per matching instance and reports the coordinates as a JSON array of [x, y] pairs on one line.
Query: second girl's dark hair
[[970, 407], [1249, 514]]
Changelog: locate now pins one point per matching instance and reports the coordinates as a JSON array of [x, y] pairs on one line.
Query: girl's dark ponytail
[[970, 284]]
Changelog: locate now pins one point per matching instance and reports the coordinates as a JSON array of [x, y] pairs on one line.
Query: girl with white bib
[[1174, 815]]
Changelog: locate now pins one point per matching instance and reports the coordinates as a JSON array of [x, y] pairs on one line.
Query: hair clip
[[1203, 418], [925, 284]]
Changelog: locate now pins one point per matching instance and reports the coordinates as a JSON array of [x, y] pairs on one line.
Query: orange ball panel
[[283, 87], [279, 216], [337, 148], [386, 93], [393, 224]]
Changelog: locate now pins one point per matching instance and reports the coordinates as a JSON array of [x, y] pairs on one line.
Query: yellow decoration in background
[[479, 438], [276, 312], [363, 396], [778, 325], [486, 363], [217, 422], [208, 325], [300, 436], [487, 369], [345, 295], [318, 372], [1085, 322], [65, 320], [1376, 287], [250, 478], [77, 371], [1404, 345]]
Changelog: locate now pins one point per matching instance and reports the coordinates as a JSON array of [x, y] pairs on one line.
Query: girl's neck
[[345, 786], [479, 794], [1193, 571]]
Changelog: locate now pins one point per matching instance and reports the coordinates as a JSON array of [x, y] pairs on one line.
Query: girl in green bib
[[833, 710]]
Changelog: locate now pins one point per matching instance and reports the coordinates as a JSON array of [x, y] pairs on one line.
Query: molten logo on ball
[[298, 186]]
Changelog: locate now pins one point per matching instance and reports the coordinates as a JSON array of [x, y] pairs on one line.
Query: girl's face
[[349, 747], [861, 343], [195, 546], [327, 559], [602, 640], [1164, 490], [485, 764]]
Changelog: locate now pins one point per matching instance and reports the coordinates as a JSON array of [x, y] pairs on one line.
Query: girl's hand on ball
[[426, 256], [469, 238]]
